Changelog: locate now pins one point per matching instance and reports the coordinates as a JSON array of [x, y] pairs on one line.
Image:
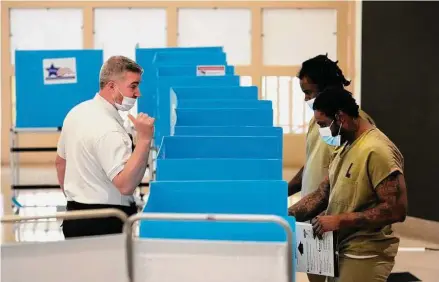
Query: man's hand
[[325, 223], [144, 126], [312, 204]]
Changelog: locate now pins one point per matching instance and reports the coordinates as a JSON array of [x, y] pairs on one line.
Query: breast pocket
[[344, 194]]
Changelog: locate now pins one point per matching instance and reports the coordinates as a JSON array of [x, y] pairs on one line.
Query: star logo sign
[[53, 71]]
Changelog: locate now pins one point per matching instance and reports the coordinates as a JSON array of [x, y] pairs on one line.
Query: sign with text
[[211, 70], [59, 71]]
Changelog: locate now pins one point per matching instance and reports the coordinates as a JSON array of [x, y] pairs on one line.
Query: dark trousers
[[94, 226]]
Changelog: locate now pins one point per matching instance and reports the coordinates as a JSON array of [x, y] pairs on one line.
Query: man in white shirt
[[96, 164]]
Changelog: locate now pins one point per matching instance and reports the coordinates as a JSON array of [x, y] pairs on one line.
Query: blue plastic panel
[[224, 104], [228, 131], [211, 230], [163, 121], [216, 92], [145, 56], [184, 70], [224, 117], [197, 57], [234, 197], [218, 169], [40, 105], [221, 147]]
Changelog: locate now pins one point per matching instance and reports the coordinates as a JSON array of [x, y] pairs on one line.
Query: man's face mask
[[310, 102], [326, 134], [127, 102]]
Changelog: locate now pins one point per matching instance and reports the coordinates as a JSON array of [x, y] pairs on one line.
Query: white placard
[[59, 71], [211, 70], [314, 255]]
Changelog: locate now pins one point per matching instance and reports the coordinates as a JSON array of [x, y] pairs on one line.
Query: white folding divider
[[204, 260], [97, 259], [123, 258]]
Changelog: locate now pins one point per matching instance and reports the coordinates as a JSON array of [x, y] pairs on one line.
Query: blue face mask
[[326, 134], [310, 103]]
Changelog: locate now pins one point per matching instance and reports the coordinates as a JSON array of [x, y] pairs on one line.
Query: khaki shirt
[[318, 156], [354, 174]]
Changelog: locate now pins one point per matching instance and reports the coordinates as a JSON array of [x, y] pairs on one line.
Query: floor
[[422, 264]]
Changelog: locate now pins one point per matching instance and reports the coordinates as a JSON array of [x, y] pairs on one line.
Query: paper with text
[[314, 255]]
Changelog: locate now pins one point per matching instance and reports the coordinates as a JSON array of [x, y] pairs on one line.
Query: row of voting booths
[[218, 153]]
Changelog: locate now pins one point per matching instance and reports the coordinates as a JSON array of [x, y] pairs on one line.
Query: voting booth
[[49, 83], [218, 153]]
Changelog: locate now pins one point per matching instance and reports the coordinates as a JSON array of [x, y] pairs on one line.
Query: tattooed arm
[[313, 204], [392, 207], [295, 184]]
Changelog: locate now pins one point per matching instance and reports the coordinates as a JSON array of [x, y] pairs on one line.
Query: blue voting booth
[[218, 149], [48, 84], [51, 83]]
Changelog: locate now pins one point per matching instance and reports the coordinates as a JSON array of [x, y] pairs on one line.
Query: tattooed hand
[[325, 223]]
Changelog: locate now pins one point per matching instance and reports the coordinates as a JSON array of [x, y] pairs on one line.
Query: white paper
[[314, 255], [59, 71], [211, 70]]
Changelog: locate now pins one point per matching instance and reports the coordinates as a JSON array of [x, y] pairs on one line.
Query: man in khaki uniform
[[363, 194], [316, 75]]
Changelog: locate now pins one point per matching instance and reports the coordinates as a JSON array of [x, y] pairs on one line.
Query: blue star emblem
[[52, 70]]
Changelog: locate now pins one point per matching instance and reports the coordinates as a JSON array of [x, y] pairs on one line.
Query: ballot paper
[[314, 255]]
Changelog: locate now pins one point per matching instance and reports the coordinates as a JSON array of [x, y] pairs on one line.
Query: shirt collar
[[109, 108]]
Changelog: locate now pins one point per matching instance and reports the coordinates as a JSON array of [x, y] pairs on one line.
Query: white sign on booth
[[59, 71], [211, 70]]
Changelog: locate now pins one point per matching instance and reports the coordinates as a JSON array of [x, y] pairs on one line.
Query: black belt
[[128, 210]]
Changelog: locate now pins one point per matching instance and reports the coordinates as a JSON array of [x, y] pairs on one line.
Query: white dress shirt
[[96, 147]]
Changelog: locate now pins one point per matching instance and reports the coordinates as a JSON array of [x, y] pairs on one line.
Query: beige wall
[[294, 144]]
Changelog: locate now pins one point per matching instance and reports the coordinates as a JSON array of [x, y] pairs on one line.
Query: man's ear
[[111, 84], [340, 117]]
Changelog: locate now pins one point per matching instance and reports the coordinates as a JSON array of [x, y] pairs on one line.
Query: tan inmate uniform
[[318, 155], [366, 254]]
